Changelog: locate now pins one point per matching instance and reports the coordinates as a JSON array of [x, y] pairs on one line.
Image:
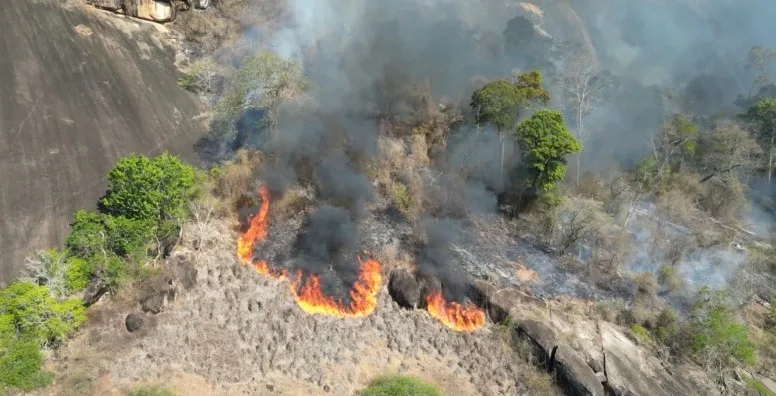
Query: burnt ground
[[79, 88]]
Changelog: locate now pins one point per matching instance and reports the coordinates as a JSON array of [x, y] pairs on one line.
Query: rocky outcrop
[[574, 374], [630, 370], [603, 357], [543, 338], [404, 288], [94, 291]]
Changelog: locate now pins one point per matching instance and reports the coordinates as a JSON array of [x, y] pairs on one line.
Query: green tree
[[762, 117], [500, 102], [156, 189], [496, 103], [677, 137], [263, 81], [545, 142]]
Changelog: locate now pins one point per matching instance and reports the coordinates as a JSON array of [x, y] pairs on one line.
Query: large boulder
[[503, 301], [404, 288], [481, 292], [133, 322], [576, 377], [542, 337], [157, 294], [94, 291], [184, 272]]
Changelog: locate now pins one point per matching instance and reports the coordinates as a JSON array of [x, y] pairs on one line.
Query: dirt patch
[[524, 274], [83, 30]]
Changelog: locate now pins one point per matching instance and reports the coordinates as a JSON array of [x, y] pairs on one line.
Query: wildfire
[[257, 230], [306, 288], [453, 315], [363, 295]]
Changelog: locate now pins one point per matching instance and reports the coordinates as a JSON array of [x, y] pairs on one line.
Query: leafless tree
[[730, 148], [584, 89], [578, 219], [759, 58], [676, 136]]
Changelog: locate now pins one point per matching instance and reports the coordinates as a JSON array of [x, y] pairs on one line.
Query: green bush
[[156, 189], [716, 333], [35, 316], [151, 391], [400, 195], [641, 334], [400, 385], [77, 274], [29, 319], [88, 235], [21, 366]]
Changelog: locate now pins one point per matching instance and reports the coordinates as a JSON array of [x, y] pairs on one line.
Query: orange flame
[[459, 318], [257, 230], [307, 288], [363, 295]]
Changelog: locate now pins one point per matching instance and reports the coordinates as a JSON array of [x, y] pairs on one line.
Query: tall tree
[[500, 102], [759, 59], [762, 116], [584, 88], [545, 142], [263, 81], [677, 136]]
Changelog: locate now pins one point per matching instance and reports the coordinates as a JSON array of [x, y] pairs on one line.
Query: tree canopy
[[500, 102], [149, 189], [545, 142]]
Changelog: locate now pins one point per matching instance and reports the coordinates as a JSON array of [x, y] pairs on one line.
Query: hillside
[[77, 91], [457, 197]]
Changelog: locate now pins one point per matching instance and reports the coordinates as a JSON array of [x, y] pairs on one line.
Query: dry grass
[[208, 29], [234, 179]]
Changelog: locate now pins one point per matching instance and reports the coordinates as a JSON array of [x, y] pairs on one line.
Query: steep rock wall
[[79, 88]]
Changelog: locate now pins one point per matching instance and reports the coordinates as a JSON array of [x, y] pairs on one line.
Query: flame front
[[306, 288], [257, 230], [363, 295], [458, 317]]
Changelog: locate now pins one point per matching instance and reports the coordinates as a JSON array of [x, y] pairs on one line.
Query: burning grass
[[467, 318], [308, 293], [306, 288]]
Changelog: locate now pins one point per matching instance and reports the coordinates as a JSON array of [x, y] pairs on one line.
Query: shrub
[[31, 318], [77, 274], [35, 316], [151, 391], [20, 366], [669, 278], [641, 334], [156, 189], [716, 337], [48, 268], [400, 195], [87, 234], [400, 385]]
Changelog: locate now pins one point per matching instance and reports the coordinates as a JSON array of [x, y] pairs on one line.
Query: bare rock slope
[[78, 89]]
